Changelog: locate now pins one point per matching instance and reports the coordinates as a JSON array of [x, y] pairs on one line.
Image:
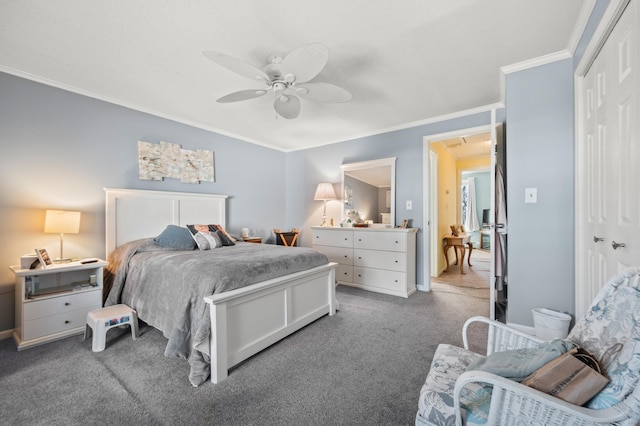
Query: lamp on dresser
[[324, 192], [61, 222]]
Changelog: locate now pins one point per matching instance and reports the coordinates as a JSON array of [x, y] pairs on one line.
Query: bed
[[223, 324]]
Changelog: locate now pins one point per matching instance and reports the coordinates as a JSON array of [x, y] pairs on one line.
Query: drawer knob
[[67, 321], [396, 261], [66, 303]]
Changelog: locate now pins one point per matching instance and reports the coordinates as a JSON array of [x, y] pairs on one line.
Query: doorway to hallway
[[451, 159]]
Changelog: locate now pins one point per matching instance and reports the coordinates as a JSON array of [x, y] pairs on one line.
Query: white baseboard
[[5, 334]]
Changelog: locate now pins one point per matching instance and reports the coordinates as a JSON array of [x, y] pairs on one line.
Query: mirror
[[368, 188]]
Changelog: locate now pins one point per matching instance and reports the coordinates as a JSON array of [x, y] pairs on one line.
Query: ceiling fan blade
[[287, 106], [305, 62], [242, 95], [238, 66], [322, 92]]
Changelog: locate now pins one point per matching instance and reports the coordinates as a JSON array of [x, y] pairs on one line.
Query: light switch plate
[[531, 195], [409, 204]]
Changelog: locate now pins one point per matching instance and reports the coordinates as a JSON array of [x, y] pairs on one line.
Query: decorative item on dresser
[[376, 259], [53, 303], [324, 192]]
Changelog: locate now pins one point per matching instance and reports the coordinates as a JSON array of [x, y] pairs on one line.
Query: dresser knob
[[396, 261], [66, 303], [67, 321]]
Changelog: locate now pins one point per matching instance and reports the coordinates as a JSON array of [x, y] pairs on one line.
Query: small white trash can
[[550, 324]]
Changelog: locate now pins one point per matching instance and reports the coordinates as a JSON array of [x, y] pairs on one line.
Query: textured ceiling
[[405, 62]]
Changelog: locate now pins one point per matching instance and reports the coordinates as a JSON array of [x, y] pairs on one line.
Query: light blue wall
[[540, 143], [59, 150], [306, 168]]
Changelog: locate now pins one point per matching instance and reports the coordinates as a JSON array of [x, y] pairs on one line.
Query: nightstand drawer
[[56, 323], [36, 309]]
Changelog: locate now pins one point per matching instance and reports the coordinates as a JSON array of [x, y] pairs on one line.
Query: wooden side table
[[257, 240], [458, 243]]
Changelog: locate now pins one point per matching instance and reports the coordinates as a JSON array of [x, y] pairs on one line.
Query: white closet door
[[608, 207]]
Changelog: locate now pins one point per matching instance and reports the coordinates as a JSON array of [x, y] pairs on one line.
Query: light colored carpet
[[363, 366], [474, 282]]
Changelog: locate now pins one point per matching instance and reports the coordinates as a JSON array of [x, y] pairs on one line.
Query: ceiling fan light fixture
[[285, 72]]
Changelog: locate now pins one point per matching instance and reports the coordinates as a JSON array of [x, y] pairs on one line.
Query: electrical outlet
[[531, 195], [409, 204]]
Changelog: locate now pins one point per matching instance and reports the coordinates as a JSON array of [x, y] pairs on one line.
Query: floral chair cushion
[[611, 331], [436, 396]]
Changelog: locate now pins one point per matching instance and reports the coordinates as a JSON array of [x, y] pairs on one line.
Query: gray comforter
[[167, 287]]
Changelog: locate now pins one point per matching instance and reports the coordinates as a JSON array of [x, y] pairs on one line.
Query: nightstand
[[53, 303], [257, 240]]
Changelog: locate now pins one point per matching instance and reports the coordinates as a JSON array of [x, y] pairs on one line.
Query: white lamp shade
[[325, 191], [62, 222]]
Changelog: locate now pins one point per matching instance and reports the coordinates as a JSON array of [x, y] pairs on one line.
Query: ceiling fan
[[287, 76]]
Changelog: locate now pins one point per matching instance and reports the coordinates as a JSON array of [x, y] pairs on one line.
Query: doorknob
[[616, 245], [597, 239]]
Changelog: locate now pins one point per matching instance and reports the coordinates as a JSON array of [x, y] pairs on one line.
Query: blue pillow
[[176, 237]]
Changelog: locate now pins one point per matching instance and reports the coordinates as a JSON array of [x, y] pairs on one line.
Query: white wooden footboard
[[248, 320]]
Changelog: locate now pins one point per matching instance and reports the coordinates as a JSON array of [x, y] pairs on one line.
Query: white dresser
[[375, 259]]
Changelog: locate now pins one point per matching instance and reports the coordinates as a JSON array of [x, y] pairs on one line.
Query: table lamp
[[324, 192], [61, 222]]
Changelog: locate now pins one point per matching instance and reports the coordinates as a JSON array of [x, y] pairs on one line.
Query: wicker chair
[[611, 326]]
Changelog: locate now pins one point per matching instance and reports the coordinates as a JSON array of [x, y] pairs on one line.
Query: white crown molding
[[90, 94], [608, 21], [581, 25]]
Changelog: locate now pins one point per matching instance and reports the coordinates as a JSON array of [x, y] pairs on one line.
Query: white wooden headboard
[[132, 214]]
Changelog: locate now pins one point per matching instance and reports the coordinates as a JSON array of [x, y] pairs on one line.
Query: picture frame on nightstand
[[43, 257]]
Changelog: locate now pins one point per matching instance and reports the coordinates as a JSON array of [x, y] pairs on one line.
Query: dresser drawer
[[388, 280], [56, 305], [344, 273], [335, 238], [394, 261], [341, 255], [388, 241], [56, 323]]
